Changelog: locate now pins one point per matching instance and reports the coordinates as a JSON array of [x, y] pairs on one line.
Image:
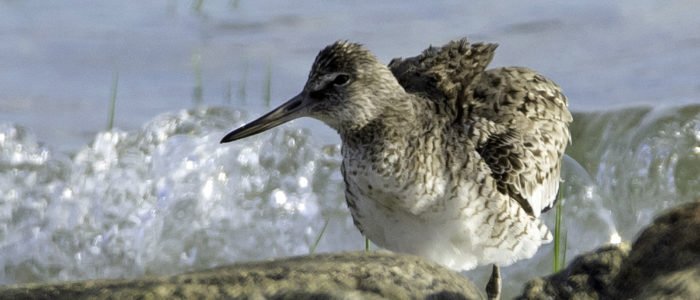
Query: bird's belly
[[457, 232]]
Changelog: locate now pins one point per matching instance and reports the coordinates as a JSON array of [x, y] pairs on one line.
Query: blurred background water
[[158, 195]]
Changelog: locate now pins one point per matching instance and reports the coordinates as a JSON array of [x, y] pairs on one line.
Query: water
[[159, 195]]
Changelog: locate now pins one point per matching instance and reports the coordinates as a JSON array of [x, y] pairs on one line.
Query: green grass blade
[[268, 83], [563, 249], [243, 83], [228, 92], [233, 4], [558, 260], [318, 238], [197, 5], [367, 244], [198, 91], [113, 104]]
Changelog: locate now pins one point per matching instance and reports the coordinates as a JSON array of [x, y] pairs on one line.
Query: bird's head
[[347, 88]]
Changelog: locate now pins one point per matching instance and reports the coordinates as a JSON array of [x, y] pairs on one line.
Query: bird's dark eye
[[341, 79]]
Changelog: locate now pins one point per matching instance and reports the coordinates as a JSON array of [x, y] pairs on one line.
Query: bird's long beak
[[290, 110]]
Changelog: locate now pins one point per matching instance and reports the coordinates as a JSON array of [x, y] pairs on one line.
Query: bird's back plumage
[[528, 112]]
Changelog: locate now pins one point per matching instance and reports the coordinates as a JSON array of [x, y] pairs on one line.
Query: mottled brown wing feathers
[[530, 119], [444, 74], [522, 117], [505, 158]]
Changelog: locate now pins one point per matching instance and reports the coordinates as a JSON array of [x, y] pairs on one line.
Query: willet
[[441, 158]]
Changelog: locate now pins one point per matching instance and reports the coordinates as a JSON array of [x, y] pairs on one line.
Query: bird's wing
[[521, 117], [443, 74], [526, 119]]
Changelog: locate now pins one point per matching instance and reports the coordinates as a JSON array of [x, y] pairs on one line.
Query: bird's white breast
[[457, 222]]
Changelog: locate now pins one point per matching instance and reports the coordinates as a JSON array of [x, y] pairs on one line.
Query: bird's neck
[[395, 122]]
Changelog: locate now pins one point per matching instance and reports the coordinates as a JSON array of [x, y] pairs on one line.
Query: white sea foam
[[163, 199]]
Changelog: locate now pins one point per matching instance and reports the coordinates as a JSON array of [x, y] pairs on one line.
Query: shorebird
[[441, 157]]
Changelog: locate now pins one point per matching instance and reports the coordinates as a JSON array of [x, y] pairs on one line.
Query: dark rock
[[665, 259], [588, 276], [663, 263], [352, 275]]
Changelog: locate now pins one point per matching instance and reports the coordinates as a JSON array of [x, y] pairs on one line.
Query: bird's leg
[[493, 287]]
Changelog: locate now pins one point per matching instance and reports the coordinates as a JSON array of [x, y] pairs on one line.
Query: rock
[[664, 262], [588, 276], [683, 284], [352, 275], [665, 259]]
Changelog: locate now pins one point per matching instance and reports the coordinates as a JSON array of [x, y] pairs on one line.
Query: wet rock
[[352, 275], [665, 259], [588, 276], [664, 262]]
